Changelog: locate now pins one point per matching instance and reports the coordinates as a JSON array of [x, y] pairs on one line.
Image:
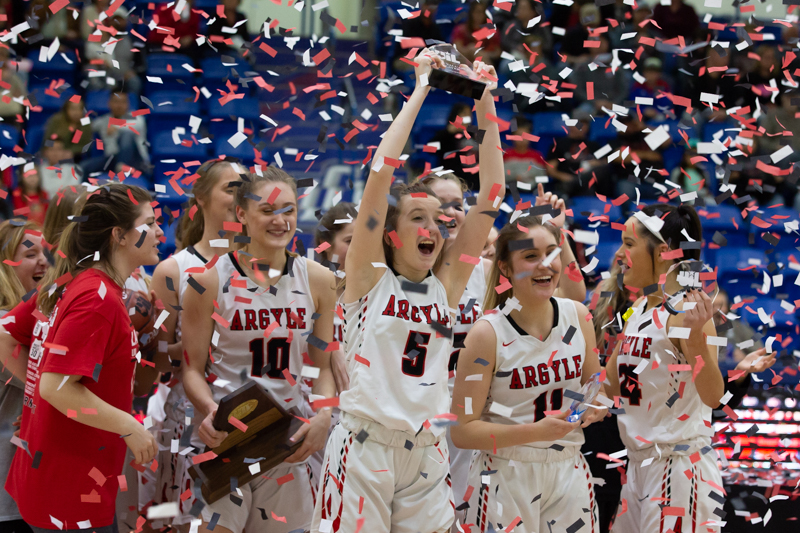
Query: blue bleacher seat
[[548, 123], [48, 102], [730, 259], [711, 129], [602, 130], [605, 256], [9, 137], [770, 306], [245, 150], [97, 101], [724, 223], [246, 108], [56, 68], [174, 103], [163, 147], [592, 204], [169, 65], [33, 138], [777, 216]]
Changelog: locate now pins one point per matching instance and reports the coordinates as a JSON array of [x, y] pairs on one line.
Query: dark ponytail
[[676, 219]]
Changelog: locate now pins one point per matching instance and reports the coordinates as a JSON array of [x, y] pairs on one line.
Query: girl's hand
[[592, 415], [426, 61], [548, 198], [487, 73], [695, 319], [757, 361], [142, 443], [17, 424], [553, 427], [209, 434], [316, 436]]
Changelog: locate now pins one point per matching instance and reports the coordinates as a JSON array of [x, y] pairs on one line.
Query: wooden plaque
[[266, 441]]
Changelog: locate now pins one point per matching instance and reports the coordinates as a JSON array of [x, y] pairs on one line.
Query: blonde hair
[[67, 204], [209, 174], [510, 232], [12, 235]]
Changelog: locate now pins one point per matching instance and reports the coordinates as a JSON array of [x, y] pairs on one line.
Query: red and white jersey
[[469, 311], [531, 375], [660, 399], [396, 359], [264, 340], [186, 259]]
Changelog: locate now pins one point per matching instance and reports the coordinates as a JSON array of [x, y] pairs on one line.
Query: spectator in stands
[[572, 165], [517, 34], [16, 88], [227, 34], [51, 25], [453, 143], [542, 74], [713, 78], [782, 119], [522, 162], [609, 85], [573, 47], [463, 37], [66, 126], [765, 77], [654, 86], [90, 16], [424, 26], [109, 54], [651, 162], [734, 329], [175, 30], [677, 18], [764, 187], [691, 176], [56, 168], [641, 29], [121, 144], [30, 194]]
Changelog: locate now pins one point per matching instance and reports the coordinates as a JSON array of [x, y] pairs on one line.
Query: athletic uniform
[[469, 311], [540, 486], [386, 463], [243, 353], [667, 431], [175, 446]]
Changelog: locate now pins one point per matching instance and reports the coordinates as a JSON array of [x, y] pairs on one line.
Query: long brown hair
[[108, 207], [608, 306], [209, 174], [511, 232], [328, 228], [12, 234], [397, 192], [67, 202]]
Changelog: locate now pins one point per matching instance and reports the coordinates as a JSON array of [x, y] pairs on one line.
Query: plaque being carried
[[456, 75], [258, 440]]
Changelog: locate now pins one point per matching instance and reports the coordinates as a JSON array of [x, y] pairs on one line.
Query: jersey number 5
[[415, 353], [278, 349], [629, 386]]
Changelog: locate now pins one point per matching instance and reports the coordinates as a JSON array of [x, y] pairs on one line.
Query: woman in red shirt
[[79, 389], [30, 194]]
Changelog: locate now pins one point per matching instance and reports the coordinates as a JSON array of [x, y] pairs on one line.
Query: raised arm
[[453, 272], [473, 433], [366, 246], [323, 288], [198, 328]]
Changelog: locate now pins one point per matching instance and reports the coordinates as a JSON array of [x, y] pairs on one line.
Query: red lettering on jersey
[[415, 314], [402, 309], [236, 321], [530, 377], [462, 318], [556, 365], [516, 382], [544, 374], [277, 314], [578, 365], [426, 310], [301, 313], [646, 347], [249, 319], [568, 374], [263, 318], [389, 311], [635, 344]]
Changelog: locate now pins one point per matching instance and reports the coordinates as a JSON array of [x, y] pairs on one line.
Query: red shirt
[[22, 325], [36, 204], [165, 18], [534, 156], [58, 476]]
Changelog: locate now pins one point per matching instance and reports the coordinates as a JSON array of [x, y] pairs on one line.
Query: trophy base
[[456, 84]]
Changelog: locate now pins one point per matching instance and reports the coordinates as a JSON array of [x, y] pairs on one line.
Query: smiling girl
[[386, 463], [517, 364], [262, 291], [79, 386], [666, 378]]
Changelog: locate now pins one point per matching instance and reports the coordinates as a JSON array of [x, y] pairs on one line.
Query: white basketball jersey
[[243, 352], [396, 359], [661, 403], [531, 375], [469, 311], [186, 259]]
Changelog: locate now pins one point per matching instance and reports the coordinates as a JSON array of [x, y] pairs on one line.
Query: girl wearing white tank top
[[399, 302], [210, 207], [665, 378], [266, 206], [518, 363]]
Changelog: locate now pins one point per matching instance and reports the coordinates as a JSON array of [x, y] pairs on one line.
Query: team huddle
[[454, 373]]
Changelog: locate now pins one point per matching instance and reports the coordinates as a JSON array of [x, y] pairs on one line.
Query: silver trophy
[[457, 75]]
